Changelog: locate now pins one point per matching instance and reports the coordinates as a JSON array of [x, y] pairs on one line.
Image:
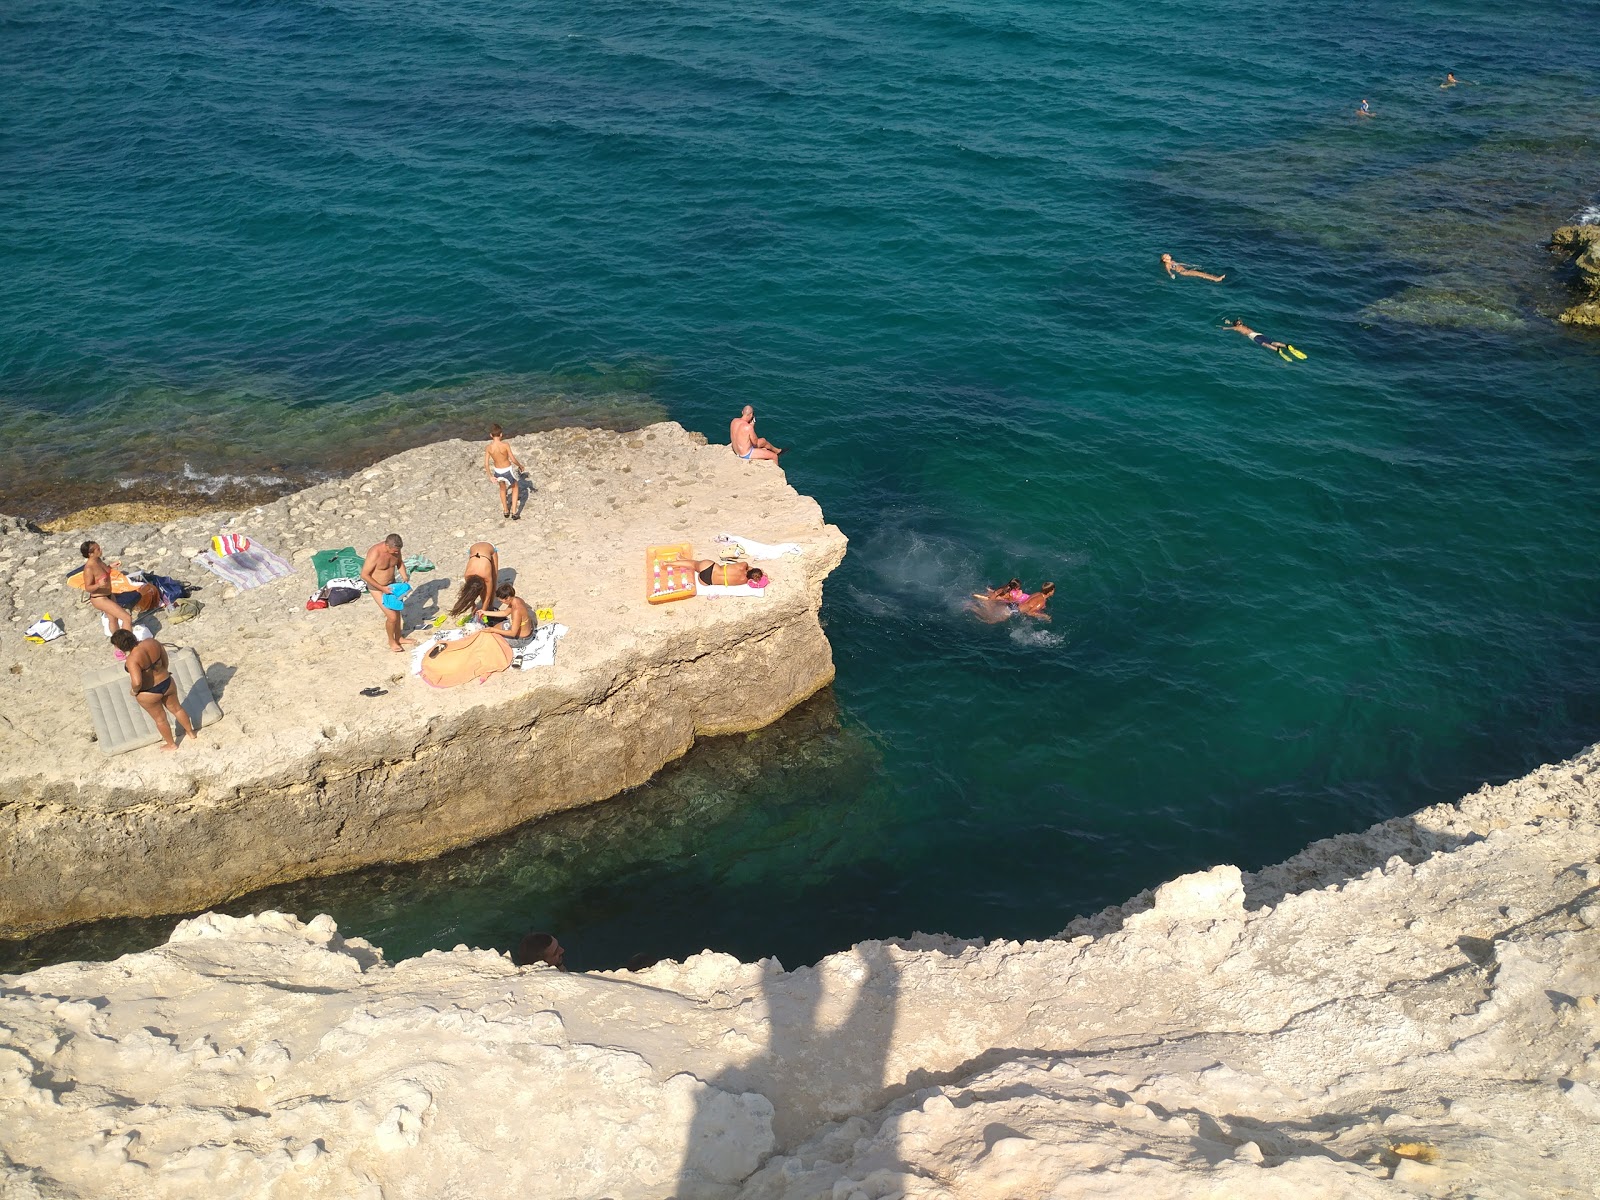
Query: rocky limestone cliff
[[1409, 1011], [305, 775], [1580, 245]]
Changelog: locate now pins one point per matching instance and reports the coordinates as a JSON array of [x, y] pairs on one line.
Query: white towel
[[715, 590], [541, 648], [758, 550]]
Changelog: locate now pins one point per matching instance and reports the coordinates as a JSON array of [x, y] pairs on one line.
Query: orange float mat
[[668, 573]]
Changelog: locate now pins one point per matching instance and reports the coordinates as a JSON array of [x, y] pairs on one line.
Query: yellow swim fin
[[1284, 356], [1297, 354]]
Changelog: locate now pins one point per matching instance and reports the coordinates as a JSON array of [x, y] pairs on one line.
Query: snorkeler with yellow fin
[[1284, 349]]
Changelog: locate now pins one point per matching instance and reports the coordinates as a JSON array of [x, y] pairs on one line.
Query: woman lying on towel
[[730, 574]]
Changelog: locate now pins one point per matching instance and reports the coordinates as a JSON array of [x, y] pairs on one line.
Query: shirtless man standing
[[742, 433], [151, 681], [501, 464], [383, 561], [1174, 268]]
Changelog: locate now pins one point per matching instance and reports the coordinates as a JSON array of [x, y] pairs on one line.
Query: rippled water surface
[[259, 241]]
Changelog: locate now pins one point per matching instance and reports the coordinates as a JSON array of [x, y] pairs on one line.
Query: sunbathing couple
[[1002, 603]]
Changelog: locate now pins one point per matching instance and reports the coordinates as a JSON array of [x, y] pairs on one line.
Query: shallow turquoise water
[[266, 240]]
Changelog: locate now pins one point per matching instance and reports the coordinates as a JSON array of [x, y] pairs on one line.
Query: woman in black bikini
[[479, 578], [731, 574], [151, 681]]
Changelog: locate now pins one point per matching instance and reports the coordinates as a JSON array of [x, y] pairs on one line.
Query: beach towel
[[540, 648], [121, 725], [723, 590], [335, 564], [248, 568], [476, 656], [751, 548]]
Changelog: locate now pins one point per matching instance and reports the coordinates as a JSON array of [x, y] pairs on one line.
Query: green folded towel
[[418, 562], [336, 564]]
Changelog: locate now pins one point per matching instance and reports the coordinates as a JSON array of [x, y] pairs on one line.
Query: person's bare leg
[[505, 507], [176, 709], [394, 627], [766, 453], [153, 704], [519, 500], [113, 610]]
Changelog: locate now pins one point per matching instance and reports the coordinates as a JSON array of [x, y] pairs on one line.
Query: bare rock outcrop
[[1425, 1026], [1580, 246], [330, 756]]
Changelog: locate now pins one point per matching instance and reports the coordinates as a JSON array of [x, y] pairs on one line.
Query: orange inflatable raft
[[668, 573]]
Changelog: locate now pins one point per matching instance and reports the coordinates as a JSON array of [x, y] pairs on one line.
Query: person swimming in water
[[998, 604], [1174, 268], [1033, 606], [1364, 109], [1259, 339]]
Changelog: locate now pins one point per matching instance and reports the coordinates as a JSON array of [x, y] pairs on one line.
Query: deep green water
[[258, 241]]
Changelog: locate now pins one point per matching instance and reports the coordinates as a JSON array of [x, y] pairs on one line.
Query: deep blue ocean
[[245, 244]]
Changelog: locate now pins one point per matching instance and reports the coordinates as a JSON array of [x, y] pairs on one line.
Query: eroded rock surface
[[307, 776], [1409, 1011], [1580, 244]]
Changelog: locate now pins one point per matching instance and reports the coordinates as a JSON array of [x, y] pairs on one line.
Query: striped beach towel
[[248, 568]]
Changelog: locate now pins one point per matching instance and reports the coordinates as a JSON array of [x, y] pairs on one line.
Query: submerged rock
[[1444, 307]]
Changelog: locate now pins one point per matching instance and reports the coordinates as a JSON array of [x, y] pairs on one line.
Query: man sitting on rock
[[742, 434], [152, 683]]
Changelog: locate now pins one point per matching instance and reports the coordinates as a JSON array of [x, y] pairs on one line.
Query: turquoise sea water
[[245, 243]]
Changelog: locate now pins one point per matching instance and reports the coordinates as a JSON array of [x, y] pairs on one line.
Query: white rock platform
[[1406, 1012], [305, 775]]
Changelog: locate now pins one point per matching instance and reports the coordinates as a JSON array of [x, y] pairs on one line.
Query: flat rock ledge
[[305, 775], [1405, 1012]]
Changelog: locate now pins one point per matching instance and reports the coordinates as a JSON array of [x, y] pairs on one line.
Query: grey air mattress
[[121, 725]]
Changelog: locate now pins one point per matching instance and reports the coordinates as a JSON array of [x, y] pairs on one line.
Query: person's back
[[150, 657]]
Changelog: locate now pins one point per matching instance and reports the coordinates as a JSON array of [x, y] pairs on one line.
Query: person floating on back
[[382, 563], [150, 678], [502, 466], [1175, 268], [1283, 349], [742, 434]]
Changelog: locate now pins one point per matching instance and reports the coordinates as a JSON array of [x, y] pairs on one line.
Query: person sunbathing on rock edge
[[729, 574]]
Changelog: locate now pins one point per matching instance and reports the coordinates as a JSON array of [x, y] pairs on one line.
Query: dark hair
[[754, 573], [395, 541], [1014, 585], [124, 640], [534, 948], [85, 548], [473, 592], [1047, 589], [505, 591], [495, 431]]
